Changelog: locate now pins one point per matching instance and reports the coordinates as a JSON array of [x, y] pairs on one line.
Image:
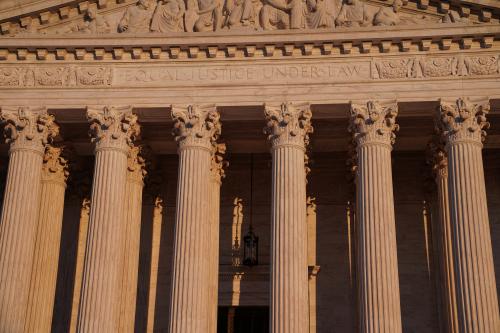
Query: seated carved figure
[[137, 18], [203, 15], [168, 16], [389, 15], [240, 13], [353, 14], [275, 14], [323, 13]]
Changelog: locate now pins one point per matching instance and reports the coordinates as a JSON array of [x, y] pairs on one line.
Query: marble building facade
[[359, 140]]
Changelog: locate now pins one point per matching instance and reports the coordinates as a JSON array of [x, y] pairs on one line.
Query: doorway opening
[[243, 319]]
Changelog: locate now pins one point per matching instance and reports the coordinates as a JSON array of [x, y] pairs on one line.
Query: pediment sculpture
[[174, 16]]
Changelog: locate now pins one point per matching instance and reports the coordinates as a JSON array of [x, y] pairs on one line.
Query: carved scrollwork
[[55, 76], [196, 125], [430, 67], [113, 127], [374, 122], [463, 120], [28, 128], [288, 124]]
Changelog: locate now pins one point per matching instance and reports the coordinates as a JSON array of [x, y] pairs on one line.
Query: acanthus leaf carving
[[196, 125], [28, 128], [138, 162], [288, 124], [56, 163], [218, 164], [436, 157], [113, 127], [374, 122], [463, 119]]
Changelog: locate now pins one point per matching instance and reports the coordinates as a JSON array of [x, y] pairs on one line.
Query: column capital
[[196, 125], [55, 164], [437, 159], [113, 127], [218, 163], [28, 128], [374, 122], [288, 124], [137, 163], [463, 119]]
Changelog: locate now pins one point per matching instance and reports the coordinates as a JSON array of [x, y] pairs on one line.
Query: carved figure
[[203, 15], [241, 13], [323, 13], [168, 16], [353, 14], [282, 14], [389, 15], [93, 23], [136, 18]]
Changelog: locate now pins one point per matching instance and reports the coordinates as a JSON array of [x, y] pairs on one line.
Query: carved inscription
[[245, 74]]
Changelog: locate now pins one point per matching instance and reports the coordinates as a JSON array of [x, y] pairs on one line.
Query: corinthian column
[[196, 129], [27, 130], [373, 125], [112, 130], [48, 237], [439, 163], [288, 128], [216, 175], [463, 123], [136, 171]]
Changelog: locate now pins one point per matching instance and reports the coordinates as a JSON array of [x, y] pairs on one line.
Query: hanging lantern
[[250, 249]]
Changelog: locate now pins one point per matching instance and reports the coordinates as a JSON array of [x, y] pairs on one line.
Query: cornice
[[373, 40]]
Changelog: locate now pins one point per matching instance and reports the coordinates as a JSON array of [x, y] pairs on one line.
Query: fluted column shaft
[[83, 227], [372, 125], [133, 208], [288, 127], [27, 131], [112, 128], [447, 278], [195, 128], [216, 175], [48, 238], [463, 123]]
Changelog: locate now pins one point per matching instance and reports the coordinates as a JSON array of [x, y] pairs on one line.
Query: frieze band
[[417, 67]]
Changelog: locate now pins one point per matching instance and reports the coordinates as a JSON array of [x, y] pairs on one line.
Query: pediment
[[108, 16]]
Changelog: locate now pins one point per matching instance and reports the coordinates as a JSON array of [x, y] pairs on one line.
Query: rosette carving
[[28, 128], [113, 127], [288, 124], [218, 163], [56, 164], [137, 163], [374, 122], [196, 125], [463, 120]]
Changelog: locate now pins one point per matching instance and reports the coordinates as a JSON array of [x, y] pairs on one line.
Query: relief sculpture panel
[[165, 16]]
